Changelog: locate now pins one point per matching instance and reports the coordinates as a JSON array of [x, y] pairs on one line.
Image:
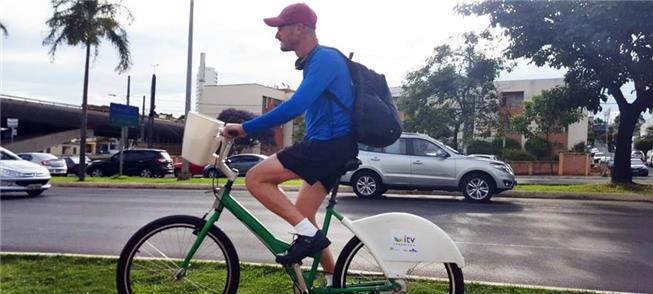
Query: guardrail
[[32, 100]]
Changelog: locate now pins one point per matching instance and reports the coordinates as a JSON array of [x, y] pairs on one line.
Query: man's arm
[[321, 72]]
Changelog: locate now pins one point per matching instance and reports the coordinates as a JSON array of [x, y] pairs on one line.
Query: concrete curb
[[346, 189]]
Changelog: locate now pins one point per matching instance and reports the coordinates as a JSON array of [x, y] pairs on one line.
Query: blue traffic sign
[[121, 115]]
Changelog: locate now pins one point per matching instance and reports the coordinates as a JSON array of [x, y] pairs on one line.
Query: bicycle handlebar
[[225, 145]]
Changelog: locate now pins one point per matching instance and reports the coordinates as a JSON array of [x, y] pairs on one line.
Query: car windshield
[[166, 156], [451, 149], [8, 155]]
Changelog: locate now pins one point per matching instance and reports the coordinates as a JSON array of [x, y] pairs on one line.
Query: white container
[[201, 138]]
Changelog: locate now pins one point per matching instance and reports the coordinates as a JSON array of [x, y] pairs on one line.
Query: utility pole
[[142, 122], [124, 133], [152, 97], [189, 64]]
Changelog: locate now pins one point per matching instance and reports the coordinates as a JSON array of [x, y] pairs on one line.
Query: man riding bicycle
[[327, 146]]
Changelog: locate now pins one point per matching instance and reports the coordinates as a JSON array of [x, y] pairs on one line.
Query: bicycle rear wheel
[[152, 258], [357, 266]]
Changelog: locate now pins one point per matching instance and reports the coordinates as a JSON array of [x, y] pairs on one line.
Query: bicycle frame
[[276, 246]]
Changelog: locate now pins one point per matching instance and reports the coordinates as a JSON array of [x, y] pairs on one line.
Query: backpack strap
[[333, 96]]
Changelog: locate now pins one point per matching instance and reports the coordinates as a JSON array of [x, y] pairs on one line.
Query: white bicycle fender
[[399, 240]]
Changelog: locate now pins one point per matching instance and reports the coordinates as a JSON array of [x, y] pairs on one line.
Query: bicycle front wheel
[[356, 266], [151, 260]]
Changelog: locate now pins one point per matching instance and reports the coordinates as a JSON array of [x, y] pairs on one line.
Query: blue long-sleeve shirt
[[325, 120]]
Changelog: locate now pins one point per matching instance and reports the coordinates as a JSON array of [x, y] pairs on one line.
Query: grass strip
[[640, 189], [67, 274]]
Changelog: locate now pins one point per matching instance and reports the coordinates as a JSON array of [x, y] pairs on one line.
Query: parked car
[[638, 167], [486, 156], [637, 154], [241, 162], [417, 161], [19, 175], [56, 166], [136, 162], [600, 157], [72, 162], [193, 169]]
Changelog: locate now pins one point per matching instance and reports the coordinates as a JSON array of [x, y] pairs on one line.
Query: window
[[512, 99], [426, 148], [398, 147], [8, 156], [25, 157], [364, 147]]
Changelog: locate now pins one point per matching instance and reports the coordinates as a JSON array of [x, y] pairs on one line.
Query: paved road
[[598, 245]]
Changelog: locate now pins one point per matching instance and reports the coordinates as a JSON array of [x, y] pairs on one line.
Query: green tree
[[299, 129], [550, 112], [453, 89], [603, 44], [86, 22]]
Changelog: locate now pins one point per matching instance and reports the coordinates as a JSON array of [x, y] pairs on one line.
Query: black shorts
[[322, 161]]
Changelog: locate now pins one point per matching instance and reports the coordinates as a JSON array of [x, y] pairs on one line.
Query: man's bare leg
[[308, 202], [263, 180]]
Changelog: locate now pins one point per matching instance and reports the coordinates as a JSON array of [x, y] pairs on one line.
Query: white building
[[255, 98], [206, 76], [515, 93]]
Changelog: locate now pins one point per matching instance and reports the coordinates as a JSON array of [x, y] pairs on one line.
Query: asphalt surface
[[597, 245]]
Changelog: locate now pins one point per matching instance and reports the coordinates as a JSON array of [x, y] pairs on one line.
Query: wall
[[570, 164]]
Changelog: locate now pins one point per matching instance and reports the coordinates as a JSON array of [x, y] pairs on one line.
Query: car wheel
[[146, 173], [367, 185], [96, 172], [213, 173], [477, 187], [177, 173], [35, 192]]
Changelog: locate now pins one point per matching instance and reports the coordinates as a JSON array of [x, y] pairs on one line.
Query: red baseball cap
[[293, 14]]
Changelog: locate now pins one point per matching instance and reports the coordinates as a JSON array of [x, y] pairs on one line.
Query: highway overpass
[[42, 124]]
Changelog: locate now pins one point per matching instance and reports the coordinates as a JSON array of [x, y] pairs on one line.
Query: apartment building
[[515, 93]]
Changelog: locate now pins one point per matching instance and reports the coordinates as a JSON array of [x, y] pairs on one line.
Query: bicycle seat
[[352, 165]]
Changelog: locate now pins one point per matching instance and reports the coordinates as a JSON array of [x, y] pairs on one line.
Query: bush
[[497, 145], [517, 154], [538, 147], [480, 147]]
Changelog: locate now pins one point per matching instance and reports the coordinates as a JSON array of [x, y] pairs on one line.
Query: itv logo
[[405, 239]]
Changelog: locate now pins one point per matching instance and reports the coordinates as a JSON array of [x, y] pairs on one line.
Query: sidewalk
[[347, 189]]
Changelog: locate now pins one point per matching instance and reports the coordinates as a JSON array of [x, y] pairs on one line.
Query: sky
[[392, 37]]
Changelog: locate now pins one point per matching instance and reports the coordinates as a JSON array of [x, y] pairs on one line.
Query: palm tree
[[3, 28], [86, 22]]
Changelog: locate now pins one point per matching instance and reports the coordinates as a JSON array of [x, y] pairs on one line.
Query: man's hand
[[232, 131]]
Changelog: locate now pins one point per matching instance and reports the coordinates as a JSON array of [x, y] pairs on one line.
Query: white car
[[56, 166], [19, 175], [486, 156], [600, 157]]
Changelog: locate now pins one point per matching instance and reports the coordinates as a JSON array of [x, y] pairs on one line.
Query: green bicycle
[[187, 254]]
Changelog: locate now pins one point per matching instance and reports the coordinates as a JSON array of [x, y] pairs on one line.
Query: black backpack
[[375, 119]]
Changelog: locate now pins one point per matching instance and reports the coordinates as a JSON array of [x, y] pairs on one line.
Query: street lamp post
[[184, 165]]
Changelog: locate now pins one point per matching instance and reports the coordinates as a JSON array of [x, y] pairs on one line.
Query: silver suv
[[417, 161]]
